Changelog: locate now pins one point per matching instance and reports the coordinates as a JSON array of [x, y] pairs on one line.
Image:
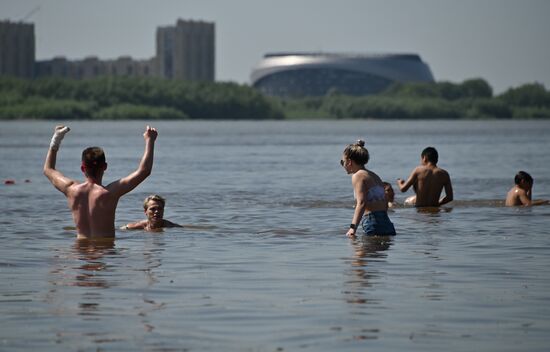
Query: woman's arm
[[360, 203]]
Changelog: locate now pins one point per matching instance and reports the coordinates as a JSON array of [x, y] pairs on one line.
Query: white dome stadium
[[316, 74]]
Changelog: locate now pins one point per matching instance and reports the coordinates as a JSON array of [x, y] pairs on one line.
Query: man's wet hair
[[93, 160], [431, 154], [523, 176]]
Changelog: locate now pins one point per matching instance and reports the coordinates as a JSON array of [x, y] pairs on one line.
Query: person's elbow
[[145, 172], [47, 171]]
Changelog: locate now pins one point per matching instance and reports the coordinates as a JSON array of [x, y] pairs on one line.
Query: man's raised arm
[[128, 183], [61, 182]]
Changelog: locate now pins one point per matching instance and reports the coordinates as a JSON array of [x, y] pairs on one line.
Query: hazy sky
[[507, 42]]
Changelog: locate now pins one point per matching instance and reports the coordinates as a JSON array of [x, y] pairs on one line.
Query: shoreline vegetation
[[121, 98]]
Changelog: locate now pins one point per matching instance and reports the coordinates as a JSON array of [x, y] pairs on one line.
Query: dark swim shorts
[[377, 223]]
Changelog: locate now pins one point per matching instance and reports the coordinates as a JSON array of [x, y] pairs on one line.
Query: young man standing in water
[[428, 180], [93, 205], [153, 206], [521, 193]]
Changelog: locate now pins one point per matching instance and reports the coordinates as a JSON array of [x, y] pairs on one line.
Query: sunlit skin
[[428, 181], [520, 195], [362, 180], [92, 204]]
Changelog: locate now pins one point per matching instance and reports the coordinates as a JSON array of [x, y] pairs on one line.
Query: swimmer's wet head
[[524, 180], [93, 161], [153, 207]]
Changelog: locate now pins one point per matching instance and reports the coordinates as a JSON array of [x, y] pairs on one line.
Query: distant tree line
[[131, 98], [470, 99], [113, 98]]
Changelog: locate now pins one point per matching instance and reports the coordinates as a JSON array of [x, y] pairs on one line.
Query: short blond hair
[[154, 197]]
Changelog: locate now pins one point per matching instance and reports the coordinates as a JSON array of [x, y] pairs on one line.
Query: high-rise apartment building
[[186, 51], [17, 49]]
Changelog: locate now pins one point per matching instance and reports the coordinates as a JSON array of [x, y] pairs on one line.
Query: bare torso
[[93, 208], [430, 181]]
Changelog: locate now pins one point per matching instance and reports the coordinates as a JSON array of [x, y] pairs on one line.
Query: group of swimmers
[[374, 197], [93, 205]]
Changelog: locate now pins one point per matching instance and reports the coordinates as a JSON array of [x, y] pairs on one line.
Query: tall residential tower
[[186, 51], [17, 49]]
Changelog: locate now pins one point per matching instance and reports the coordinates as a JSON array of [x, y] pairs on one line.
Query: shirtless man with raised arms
[[93, 205], [428, 180]]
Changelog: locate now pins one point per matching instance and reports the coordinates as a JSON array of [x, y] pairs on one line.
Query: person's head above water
[[523, 178], [388, 192], [153, 207], [93, 162], [431, 155], [357, 153]]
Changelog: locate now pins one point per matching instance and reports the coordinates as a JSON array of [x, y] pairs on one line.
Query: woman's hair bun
[[360, 143]]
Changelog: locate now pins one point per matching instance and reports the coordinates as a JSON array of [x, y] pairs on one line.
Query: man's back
[[93, 208], [430, 181]]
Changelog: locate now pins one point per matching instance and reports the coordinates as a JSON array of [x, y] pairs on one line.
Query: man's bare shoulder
[[441, 173], [139, 225], [114, 186], [421, 170], [513, 196], [168, 223]]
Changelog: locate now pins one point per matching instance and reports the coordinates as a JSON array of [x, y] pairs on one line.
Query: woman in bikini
[[368, 190]]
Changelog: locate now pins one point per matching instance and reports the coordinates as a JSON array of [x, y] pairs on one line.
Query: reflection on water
[[97, 267], [262, 268], [367, 249], [359, 287], [91, 253]]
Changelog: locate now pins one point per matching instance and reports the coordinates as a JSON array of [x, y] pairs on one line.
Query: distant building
[[17, 49], [93, 67], [316, 74], [187, 51]]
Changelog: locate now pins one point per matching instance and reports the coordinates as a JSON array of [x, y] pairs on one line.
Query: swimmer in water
[[92, 204], [522, 191], [390, 194], [153, 207], [369, 194], [428, 181]]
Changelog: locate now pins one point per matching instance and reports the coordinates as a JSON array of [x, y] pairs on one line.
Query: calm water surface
[[267, 267]]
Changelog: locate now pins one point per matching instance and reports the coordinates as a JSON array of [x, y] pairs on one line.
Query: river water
[[265, 264]]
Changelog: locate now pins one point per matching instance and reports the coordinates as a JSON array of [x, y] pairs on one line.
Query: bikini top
[[375, 194]]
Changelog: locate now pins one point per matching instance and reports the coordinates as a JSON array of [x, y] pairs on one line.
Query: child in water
[[521, 192]]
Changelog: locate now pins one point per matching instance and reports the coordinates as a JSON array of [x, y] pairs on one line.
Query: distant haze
[[503, 41]]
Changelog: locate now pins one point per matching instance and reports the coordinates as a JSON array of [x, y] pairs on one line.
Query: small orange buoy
[[9, 182]]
